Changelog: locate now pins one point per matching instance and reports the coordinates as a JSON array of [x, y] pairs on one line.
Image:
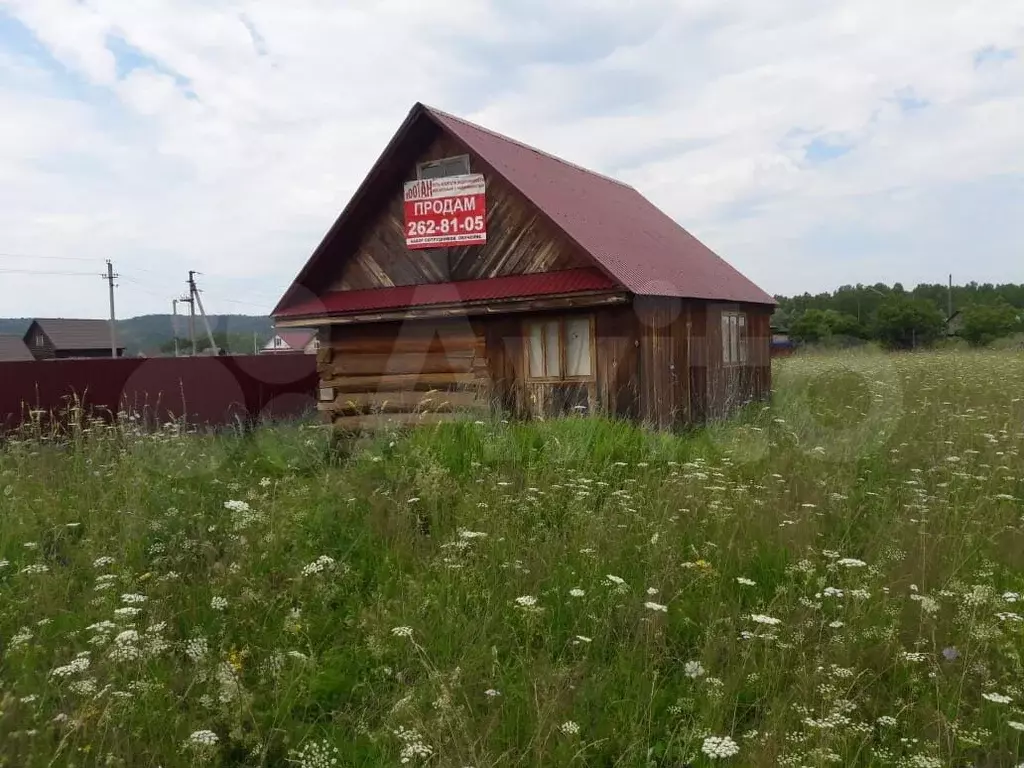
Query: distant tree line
[[902, 319], [230, 343]]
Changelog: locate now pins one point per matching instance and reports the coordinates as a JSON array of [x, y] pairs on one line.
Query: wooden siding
[[664, 354], [519, 240], [617, 362], [729, 387]]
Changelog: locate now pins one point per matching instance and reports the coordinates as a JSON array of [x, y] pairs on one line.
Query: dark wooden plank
[[404, 363], [397, 383]]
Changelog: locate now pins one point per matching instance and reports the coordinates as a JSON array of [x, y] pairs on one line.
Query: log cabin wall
[[519, 239], [413, 372]]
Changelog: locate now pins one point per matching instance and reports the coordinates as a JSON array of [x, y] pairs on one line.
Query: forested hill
[[149, 333]]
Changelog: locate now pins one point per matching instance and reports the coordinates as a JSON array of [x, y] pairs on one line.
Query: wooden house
[[61, 338], [472, 271]]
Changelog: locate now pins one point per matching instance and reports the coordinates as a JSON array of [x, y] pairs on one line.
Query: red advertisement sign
[[445, 212]]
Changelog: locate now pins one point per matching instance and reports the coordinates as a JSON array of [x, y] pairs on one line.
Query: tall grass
[[834, 579]]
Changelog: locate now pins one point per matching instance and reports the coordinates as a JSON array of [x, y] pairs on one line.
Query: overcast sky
[[809, 143]]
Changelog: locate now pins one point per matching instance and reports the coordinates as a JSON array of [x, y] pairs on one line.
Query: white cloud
[[226, 137]]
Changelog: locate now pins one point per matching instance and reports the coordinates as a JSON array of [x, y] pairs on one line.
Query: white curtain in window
[[577, 347], [552, 350], [734, 338], [726, 348], [742, 334], [536, 342]]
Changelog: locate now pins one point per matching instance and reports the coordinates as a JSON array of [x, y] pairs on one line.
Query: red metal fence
[[202, 390]]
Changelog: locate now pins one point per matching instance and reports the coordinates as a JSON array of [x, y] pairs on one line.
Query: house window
[[560, 349], [449, 166], [316, 344], [278, 342], [40, 340], [734, 338]]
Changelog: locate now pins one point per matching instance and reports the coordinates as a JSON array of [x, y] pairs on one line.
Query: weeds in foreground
[[836, 579]]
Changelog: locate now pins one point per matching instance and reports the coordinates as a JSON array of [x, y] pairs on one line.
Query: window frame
[[444, 161], [734, 319], [563, 347]]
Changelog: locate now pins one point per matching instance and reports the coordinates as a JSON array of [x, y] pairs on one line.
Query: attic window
[[40, 340], [448, 166]]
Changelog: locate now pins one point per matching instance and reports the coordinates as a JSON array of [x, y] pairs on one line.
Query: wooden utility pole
[[194, 293], [110, 276], [174, 324], [949, 299], [191, 322]]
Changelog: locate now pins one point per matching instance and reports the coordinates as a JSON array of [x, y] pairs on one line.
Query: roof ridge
[[529, 147]]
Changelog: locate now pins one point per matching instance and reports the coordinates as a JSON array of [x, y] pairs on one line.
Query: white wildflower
[[658, 607], [997, 698], [759, 618], [317, 754], [319, 565], [526, 601], [716, 747], [219, 603], [693, 669], [851, 562], [402, 631], [102, 562], [133, 599], [76, 666], [196, 648], [576, 592], [201, 740], [569, 728], [745, 581], [21, 638]]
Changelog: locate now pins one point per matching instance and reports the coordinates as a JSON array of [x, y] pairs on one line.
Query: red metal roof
[[564, 282], [628, 238], [642, 247]]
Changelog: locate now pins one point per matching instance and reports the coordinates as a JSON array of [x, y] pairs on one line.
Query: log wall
[[412, 372]]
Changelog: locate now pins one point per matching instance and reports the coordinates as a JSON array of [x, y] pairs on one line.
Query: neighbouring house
[[781, 344], [13, 350], [303, 341], [472, 271], [61, 338]]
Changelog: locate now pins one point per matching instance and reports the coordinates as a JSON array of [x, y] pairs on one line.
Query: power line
[[46, 258], [4, 270]]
